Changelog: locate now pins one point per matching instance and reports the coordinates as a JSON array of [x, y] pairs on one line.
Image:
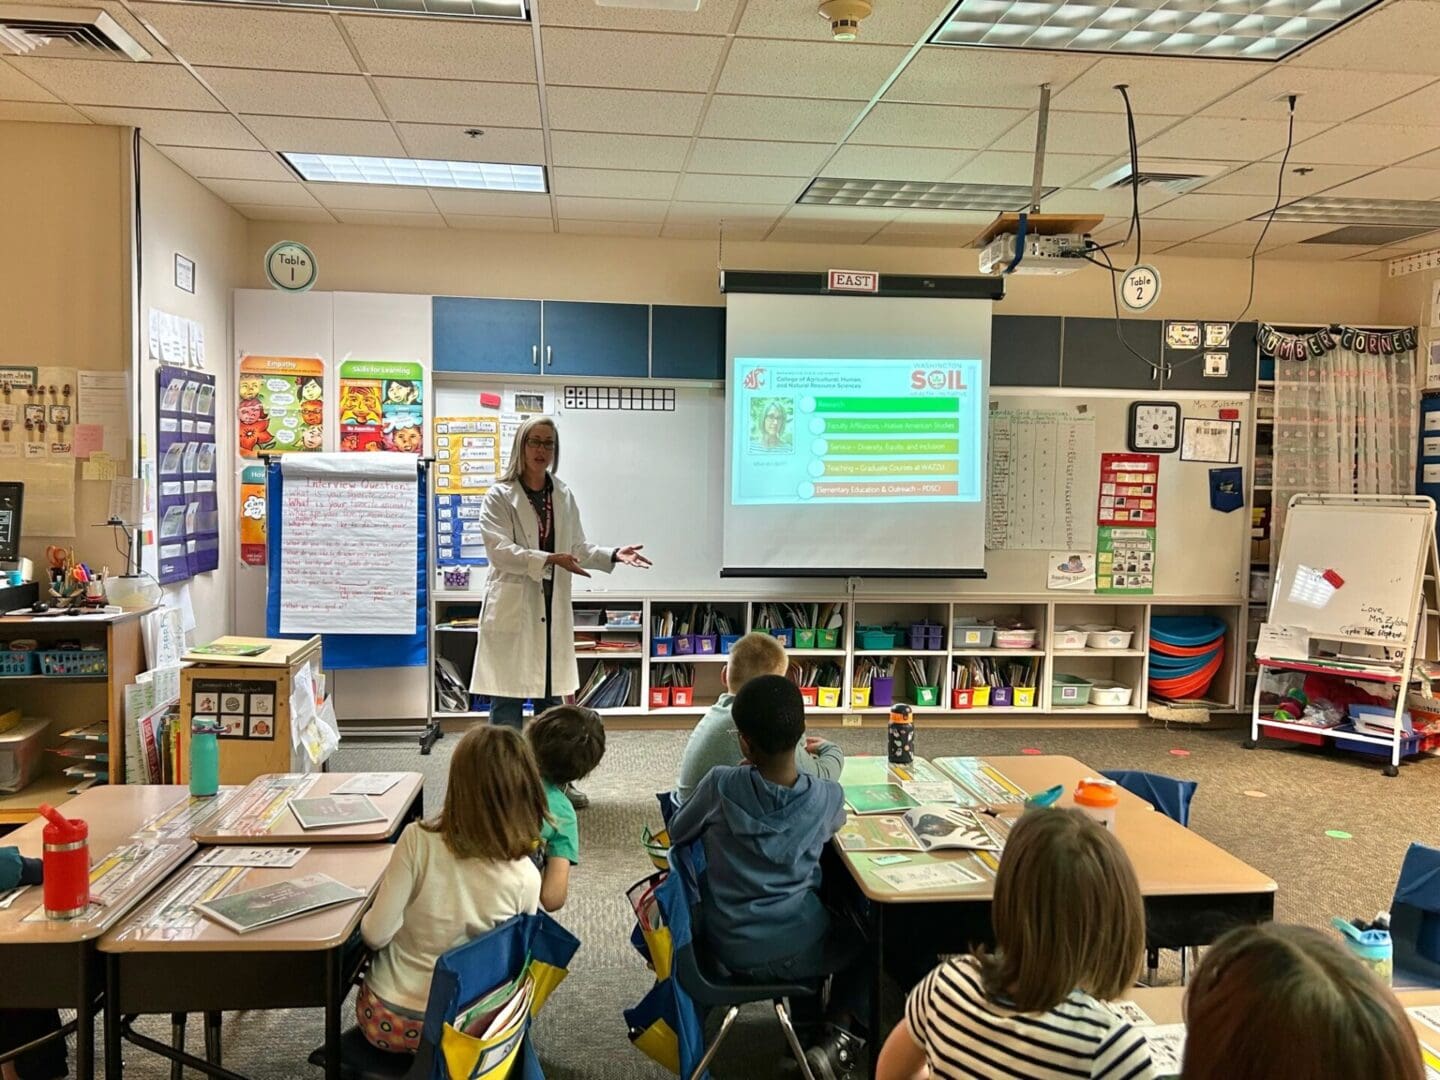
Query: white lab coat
[[510, 655]]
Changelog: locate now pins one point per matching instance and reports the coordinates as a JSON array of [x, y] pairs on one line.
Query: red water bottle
[[67, 865]]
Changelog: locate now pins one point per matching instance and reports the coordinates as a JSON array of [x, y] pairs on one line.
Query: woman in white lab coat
[[535, 543]]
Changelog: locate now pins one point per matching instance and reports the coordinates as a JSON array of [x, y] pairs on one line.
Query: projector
[[1053, 255]]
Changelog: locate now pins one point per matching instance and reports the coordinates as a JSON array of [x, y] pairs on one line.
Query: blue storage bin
[[727, 642], [662, 646], [786, 637], [17, 662], [1409, 744]]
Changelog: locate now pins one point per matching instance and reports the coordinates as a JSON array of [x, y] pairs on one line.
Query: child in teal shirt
[[568, 742]]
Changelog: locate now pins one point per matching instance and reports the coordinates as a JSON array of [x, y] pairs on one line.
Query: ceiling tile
[[1153, 232], [166, 128], [891, 124], [1116, 203], [1218, 208], [1377, 41], [1083, 133], [828, 233], [1158, 85], [752, 158], [518, 146], [1011, 78], [1312, 252], [1225, 138], [639, 112], [1201, 250], [250, 37], [610, 209], [587, 149], [1415, 243], [710, 230], [777, 117], [391, 217], [1421, 107], [311, 136], [1429, 160], [372, 197], [128, 22], [518, 203], [895, 163], [495, 223], [610, 228], [735, 215], [228, 164], [1391, 183], [262, 192], [1358, 143], [318, 215], [17, 87], [450, 101], [1013, 167], [920, 235], [891, 24], [614, 183], [808, 69], [842, 216], [1260, 179], [105, 82], [1279, 234], [293, 93], [714, 17], [1325, 95], [628, 61], [708, 187], [442, 48], [44, 112]]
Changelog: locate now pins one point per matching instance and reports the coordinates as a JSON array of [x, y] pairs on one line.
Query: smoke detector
[[845, 17], [55, 31]]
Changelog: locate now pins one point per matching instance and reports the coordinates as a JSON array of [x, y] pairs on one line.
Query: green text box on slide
[[887, 405], [892, 425], [907, 467], [881, 447]]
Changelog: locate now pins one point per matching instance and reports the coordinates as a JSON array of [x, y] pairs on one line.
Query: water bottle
[[66, 859], [902, 735], [204, 757]]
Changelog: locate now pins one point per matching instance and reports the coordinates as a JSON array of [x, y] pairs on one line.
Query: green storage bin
[[1069, 690], [874, 637], [804, 639], [927, 695], [827, 639]]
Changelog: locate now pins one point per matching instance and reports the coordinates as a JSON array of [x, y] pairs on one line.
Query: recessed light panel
[[416, 172], [1412, 212], [916, 194], [1218, 29], [467, 9]]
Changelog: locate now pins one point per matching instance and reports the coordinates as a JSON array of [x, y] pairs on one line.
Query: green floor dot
[[1338, 834]]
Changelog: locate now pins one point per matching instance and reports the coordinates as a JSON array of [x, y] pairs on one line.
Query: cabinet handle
[[535, 356], [548, 358]]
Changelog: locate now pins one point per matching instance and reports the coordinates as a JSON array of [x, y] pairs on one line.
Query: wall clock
[[1154, 426]]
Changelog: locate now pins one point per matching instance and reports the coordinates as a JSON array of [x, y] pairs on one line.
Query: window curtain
[[1344, 424]]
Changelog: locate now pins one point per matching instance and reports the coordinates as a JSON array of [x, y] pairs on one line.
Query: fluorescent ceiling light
[[916, 194], [469, 9], [1323, 208], [416, 172], [1220, 29]]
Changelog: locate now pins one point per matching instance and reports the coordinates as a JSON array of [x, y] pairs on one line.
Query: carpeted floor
[[582, 1033]]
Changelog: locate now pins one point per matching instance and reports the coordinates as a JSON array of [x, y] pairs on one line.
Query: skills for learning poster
[[382, 406], [282, 404]]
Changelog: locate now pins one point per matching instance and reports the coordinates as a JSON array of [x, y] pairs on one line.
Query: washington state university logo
[[755, 378]]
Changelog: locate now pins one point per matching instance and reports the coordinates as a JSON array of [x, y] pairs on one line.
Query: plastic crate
[[860, 697], [828, 697], [684, 644], [1002, 697], [662, 646], [682, 697], [706, 644], [804, 638], [727, 642], [1409, 744], [972, 636], [1069, 690], [1024, 697], [17, 662], [70, 662], [659, 697], [827, 638], [926, 636], [810, 695], [927, 695]]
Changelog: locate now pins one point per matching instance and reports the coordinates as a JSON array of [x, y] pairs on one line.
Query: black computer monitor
[[12, 501]]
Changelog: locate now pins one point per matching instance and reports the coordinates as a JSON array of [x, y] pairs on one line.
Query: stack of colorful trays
[[1186, 652]]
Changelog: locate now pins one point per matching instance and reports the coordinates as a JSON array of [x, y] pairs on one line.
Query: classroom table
[[272, 823], [196, 965], [61, 968], [1193, 890]]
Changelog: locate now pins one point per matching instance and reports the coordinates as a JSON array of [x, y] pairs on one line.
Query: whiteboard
[[1377, 554]]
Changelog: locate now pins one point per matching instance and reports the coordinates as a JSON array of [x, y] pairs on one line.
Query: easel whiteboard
[[1375, 549]]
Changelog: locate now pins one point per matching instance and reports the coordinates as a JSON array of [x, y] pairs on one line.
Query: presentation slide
[[828, 431]]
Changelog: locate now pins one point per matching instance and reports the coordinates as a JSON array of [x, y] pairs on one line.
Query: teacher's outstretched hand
[[630, 556]]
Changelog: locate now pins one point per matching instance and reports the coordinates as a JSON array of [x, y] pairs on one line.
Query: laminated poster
[[252, 515], [467, 463], [1126, 561], [282, 404], [382, 406]]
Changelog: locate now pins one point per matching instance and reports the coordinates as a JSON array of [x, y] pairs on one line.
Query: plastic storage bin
[[1069, 690], [1409, 744], [1069, 637], [882, 691], [827, 638], [860, 697], [927, 695], [18, 662], [662, 646], [804, 638], [962, 699], [22, 752], [873, 637], [682, 696], [684, 644], [1103, 692], [1107, 637], [980, 697], [1024, 697], [659, 697], [727, 642], [828, 697], [65, 662], [706, 644], [968, 635], [1002, 697], [1016, 639], [810, 695], [926, 636], [785, 636]]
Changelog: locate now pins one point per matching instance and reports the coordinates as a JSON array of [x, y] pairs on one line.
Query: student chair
[[666, 799], [1415, 920], [710, 986], [1170, 797]]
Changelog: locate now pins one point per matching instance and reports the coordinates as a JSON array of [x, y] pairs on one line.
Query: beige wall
[[379, 259], [64, 285], [181, 215]]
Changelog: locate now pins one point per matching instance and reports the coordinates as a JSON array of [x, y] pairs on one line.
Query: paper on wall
[[1042, 462], [1278, 642], [101, 465], [105, 403], [1204, 439], [49, 496], [1071, 570], [164, 634]]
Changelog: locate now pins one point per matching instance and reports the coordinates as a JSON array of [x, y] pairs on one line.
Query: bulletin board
[[188, 513]]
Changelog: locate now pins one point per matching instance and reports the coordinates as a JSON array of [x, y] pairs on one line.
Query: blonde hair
[[1067, 914], [517, 448], [494, 801], [1290, 1001], [754, 655]]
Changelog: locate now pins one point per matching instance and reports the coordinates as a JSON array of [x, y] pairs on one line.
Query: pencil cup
[[882, 691]]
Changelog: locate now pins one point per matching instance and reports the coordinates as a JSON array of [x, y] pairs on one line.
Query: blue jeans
[[510, 711]]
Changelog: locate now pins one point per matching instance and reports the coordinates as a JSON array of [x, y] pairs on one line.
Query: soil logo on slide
[[755, 378], [937, 379]]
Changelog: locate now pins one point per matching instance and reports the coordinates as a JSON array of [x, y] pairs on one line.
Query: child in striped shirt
[[1070, 934]]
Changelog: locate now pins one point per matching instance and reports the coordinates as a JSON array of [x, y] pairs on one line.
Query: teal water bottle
[[204, 757]]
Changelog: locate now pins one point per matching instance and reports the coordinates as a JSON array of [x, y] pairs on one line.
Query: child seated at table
[[568, 742], [21, 1026], [764, 826], [1069, 927], [451, 879], [713, 741], [1289, 1001]]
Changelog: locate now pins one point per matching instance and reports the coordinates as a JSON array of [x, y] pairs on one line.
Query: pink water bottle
[[67, 865]]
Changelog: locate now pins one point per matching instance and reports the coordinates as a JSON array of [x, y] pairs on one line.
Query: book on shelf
[[276, 902], [335, 811], [610, 686]]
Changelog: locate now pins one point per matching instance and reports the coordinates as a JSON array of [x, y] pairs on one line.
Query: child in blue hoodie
[[763, 826], [20, 1026]]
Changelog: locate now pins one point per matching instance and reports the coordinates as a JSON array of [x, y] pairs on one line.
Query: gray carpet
[[582, 1034]]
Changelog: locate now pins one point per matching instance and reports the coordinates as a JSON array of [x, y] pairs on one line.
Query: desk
[[191, 964], [277, 825], [61, 966], [1194, 891]]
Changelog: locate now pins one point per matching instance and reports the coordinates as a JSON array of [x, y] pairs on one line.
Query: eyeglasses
[[541, 444]]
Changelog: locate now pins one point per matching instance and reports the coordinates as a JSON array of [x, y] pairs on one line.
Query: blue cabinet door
[[687, 342], [611, 340], [473, 334]]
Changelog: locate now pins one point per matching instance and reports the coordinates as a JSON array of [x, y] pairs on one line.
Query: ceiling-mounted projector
[[1052, 255]]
